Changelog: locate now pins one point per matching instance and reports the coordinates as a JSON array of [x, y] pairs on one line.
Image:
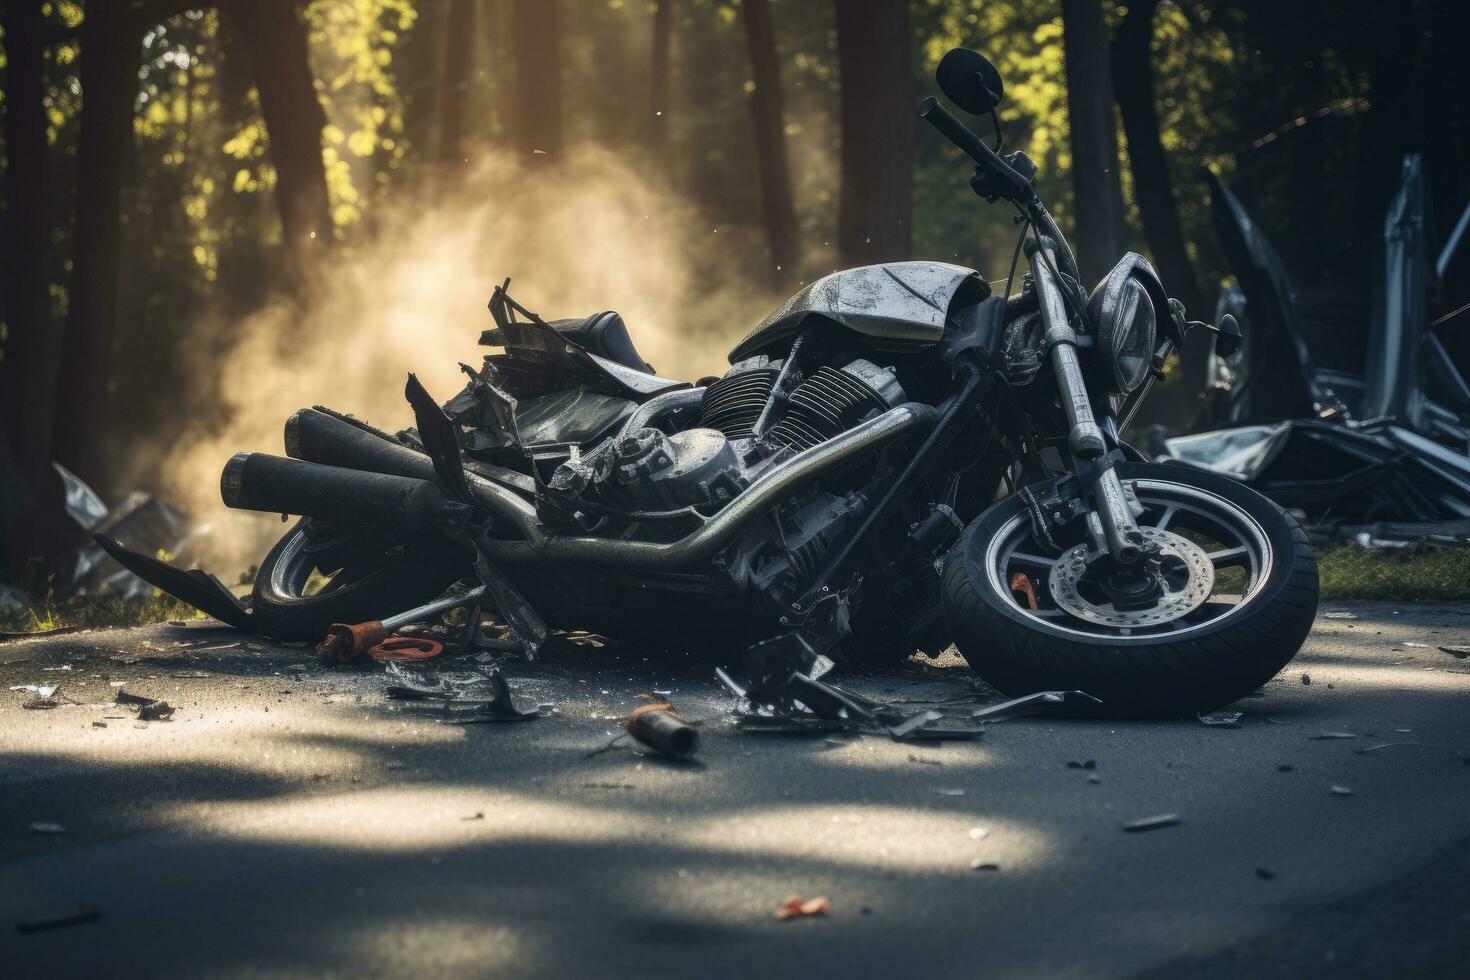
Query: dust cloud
[[576, 237]]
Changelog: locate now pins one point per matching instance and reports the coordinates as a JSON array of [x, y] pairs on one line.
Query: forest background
[[217, 214]]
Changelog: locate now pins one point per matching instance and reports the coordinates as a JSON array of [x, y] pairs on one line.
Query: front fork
[[1120, 533]]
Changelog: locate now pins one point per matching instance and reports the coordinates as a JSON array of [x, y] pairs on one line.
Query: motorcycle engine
[[826, 403], [650, 471]]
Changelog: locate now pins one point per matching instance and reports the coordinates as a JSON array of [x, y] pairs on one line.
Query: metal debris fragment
[[1042, 702], [1157, 822], [661, 727], [1221, 719], [58, 920]]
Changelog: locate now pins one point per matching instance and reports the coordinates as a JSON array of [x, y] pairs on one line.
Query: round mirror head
[[970, 81]]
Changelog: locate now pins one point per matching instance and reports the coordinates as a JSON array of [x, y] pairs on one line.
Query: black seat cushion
[[606, 335]]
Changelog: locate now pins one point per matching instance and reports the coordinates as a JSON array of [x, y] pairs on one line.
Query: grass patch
[[92, 611], [1350, 572]]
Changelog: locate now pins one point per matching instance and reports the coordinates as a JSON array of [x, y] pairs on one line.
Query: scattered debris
[[979, 865], [1286, 768], [1221, 719], [1457, 651], [979, 833], [1329, 736], [950, 791], [156, 711], [1042, 702], [1157, 822], [661, 727], [1089, 764], [47, 827], [406, 648], [1339, 614], [471, 697], [1306, 680], [148, 709], [1337, 790], [59, 920], [795, 907]]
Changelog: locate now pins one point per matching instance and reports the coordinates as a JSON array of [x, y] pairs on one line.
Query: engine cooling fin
[[826, 404], [734, 403]]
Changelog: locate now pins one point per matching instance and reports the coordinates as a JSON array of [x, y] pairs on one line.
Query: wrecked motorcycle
[[898, 459]]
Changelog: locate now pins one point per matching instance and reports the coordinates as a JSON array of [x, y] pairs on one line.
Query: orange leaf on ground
[[795, 907]]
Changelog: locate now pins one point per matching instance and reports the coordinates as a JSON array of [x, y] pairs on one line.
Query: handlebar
[[1009, 184]]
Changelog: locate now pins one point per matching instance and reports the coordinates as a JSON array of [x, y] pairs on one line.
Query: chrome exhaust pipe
[[701, 544]]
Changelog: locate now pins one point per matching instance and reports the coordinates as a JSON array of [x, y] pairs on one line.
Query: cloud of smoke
[[578, 236]]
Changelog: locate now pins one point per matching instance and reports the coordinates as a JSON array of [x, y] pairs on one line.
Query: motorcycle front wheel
[[1211, 636]]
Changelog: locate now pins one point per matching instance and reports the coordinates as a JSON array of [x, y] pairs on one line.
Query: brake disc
[[1067, 573]]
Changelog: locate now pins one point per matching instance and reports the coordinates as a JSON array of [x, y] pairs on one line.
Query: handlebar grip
[[960, 135]]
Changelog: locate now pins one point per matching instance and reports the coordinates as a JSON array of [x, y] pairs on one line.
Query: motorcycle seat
[[606, 335]]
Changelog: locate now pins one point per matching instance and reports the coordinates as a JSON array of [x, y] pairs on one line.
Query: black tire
[[1199, 670], [396, 580]]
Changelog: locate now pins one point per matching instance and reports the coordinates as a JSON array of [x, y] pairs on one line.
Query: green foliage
[[93, 611], [1350, 572]]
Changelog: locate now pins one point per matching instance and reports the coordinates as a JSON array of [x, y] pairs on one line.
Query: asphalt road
[[289, 821]]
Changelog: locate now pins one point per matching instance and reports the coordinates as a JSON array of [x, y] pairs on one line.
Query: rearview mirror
[[970, 81], [1227, 336]]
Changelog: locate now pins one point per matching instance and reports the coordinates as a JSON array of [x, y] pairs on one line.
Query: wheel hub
[[1179, 580]]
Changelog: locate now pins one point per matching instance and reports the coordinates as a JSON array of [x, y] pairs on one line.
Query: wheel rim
[[293, 570], [1231, 538]]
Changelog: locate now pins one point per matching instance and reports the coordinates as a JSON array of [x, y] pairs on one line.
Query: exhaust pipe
[[321, 437], [258, 481], [721, 529], [318, 437]]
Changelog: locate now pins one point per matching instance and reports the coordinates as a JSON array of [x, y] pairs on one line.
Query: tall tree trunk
[[536, 117], [661, 70], [875, 60], [454, 85], [767, 112], [110, 55], [1133, 84], [30, 499], [1098, 193], [275, 36]]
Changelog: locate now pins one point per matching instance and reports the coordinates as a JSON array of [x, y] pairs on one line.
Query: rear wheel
[[1235, 598], [317, 575]]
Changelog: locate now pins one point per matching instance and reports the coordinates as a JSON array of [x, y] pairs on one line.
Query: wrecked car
[[1376, 454], [897, 459]]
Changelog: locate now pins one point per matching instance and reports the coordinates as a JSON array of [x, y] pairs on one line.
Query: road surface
[[289, 820]]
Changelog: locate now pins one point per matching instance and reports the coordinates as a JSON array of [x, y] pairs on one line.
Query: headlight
[[1126, 336]]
